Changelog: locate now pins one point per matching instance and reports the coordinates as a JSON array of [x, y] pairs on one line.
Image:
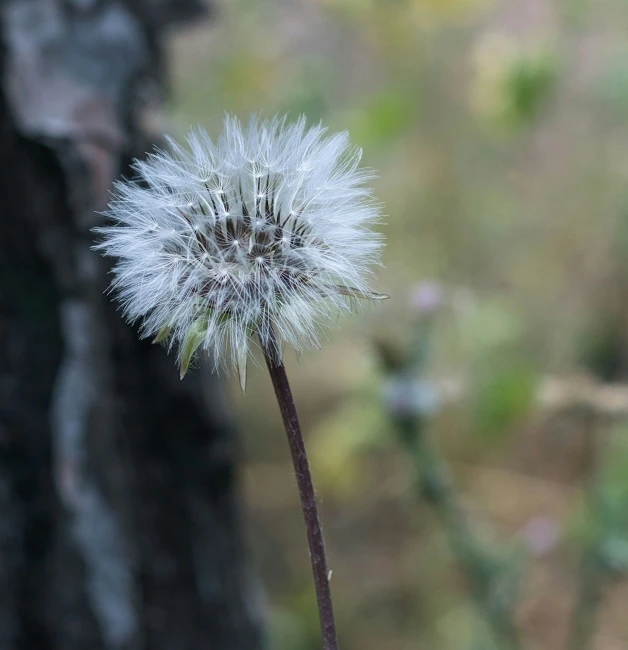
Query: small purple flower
[[541, 534], [427, 297]]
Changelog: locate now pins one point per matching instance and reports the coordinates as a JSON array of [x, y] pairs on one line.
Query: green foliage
[[286, 630], [614, 479], [340, 441], [384, 118], [528, 85], [614, 553], [503, 395], [613, 497], [601, 524], [513, 80]]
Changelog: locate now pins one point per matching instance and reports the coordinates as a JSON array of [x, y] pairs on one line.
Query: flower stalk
[[314, 530], [265, 231]]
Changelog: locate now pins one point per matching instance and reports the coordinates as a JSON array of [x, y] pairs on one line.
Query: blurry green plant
[[341, 440], [492, 573], [603, 530], [385, 117], [295, 626], [503, 395], [512, 80], [500, 398]]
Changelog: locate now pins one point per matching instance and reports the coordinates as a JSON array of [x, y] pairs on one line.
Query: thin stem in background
[[313, 526], [477, 564], [589, 598], [481, 569]]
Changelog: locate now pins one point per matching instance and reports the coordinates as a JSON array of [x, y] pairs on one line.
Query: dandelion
[[264, 233], [265, 230]]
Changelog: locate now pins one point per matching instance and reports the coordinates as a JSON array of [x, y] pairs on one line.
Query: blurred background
[[498, 131], [468, 437]]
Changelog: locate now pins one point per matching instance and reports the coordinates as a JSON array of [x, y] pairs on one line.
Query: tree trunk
[[118, 523]]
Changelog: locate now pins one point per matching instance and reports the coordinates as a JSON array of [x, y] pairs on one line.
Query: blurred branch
[[557, 393], [604, 399]]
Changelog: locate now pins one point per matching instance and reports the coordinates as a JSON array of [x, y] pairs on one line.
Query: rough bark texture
[[118, 524]]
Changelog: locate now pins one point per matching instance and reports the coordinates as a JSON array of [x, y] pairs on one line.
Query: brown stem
[[313, 526]]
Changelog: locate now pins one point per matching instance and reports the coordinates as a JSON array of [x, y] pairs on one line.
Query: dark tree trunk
[[118, 523]]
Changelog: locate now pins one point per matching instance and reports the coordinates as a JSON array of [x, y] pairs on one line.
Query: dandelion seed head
[[268, 227]]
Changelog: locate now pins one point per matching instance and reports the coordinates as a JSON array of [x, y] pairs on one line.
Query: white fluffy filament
[[267, 227]]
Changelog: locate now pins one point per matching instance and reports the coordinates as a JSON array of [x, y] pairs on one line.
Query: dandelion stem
[[313, 526]]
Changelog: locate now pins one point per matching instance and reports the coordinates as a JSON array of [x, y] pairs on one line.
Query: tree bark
[[119, 524]]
